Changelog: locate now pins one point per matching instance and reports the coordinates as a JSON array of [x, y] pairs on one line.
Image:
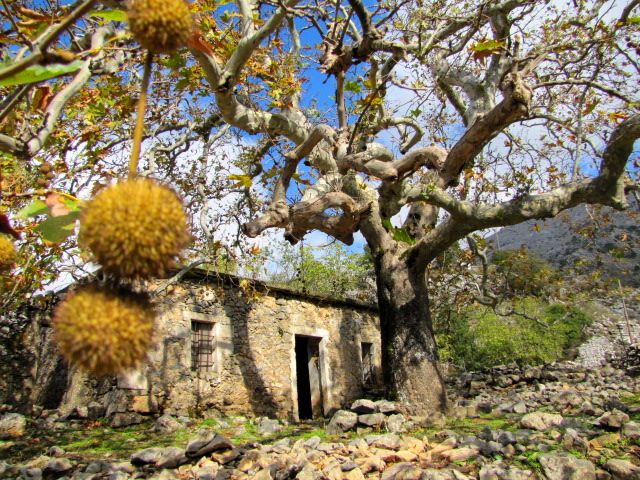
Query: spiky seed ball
[[8, 254], [160, 26], [135, 229], [104, 331]]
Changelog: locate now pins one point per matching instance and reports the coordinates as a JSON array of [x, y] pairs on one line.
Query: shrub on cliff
[[525, 273]]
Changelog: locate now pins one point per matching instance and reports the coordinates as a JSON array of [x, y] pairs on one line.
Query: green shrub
[[476, 338], [526, 273]]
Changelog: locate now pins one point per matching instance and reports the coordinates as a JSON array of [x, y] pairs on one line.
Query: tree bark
[[409, 353]]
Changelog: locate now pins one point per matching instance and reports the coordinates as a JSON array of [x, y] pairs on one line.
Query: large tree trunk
[[409, 354]]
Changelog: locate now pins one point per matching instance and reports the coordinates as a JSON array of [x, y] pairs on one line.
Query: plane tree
[[412, 123]]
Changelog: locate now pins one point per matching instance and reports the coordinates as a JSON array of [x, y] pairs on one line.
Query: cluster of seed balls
[[135, 230]]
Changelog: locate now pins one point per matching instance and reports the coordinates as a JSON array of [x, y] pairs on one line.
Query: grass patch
[[208, 422], [532, 461], [631, 400], [318, 432], [475, 425], [92, 441]]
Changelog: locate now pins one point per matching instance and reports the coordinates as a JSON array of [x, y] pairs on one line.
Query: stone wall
[[254, 361], [614, 329], [31, 371]]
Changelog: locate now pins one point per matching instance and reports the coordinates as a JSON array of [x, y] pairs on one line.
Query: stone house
[[226, 346]]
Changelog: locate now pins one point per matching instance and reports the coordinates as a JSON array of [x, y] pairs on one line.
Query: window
[[202, 346], [368, 374]]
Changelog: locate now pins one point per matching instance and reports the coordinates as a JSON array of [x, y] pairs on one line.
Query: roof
[[234, 280]]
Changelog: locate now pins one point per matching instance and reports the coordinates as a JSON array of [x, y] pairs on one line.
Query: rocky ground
[[553, 422]]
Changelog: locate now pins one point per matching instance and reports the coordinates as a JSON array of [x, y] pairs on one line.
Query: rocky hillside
[[585, 237]]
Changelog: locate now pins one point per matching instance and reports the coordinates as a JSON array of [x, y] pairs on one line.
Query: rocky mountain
[[582, 239]]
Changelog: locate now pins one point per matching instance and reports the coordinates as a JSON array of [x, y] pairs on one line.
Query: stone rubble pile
[[614, 330], [563, 387], [366, 415], [628, 360]]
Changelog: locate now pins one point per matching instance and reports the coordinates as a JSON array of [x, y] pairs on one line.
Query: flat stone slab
[[363, 406], [148, 456], [404, 470], [389, 441], [372, 419], [541, 421], [342, 421], [207, 442], [562, 466], [387, 407], [614, 420], [622, 469]]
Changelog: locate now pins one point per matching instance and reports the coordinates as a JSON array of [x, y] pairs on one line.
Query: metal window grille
[[202, 346], [368, 377]]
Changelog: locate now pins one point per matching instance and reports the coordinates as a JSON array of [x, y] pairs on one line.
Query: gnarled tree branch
[[606, 189], [515, 106], [305, 216]]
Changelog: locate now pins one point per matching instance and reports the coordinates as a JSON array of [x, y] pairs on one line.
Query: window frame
[[212, 371]]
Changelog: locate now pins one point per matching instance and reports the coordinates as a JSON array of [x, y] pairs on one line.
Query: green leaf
[[398, 234], [57, 229], [242, 180], [73, 205], [176, 61], [182, 83], [110, 15], [415, 113], [633, 20], [402, 235], [488, 46], [38, 73], [35, 208], [353, 86]]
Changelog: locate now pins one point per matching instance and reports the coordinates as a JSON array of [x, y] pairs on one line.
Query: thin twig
[[176, 278], [12, 99], [15, 25]]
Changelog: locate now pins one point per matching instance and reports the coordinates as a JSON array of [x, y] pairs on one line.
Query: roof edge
[[234, 280]]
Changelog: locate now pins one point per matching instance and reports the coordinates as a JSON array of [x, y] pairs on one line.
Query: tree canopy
[[415, 123]]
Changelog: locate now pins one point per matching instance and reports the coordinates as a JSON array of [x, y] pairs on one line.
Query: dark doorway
[[368, 374], [309, 381]]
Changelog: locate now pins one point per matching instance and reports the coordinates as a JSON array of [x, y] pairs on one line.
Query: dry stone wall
[[31, 372]]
